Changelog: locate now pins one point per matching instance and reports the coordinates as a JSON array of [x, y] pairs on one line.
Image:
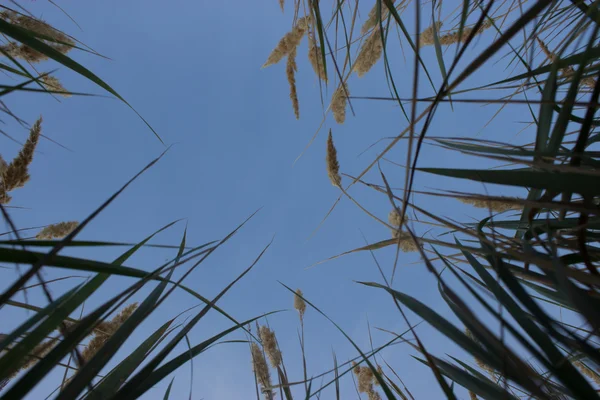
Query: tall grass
[[52, 337], [506, 277], [511, 276]]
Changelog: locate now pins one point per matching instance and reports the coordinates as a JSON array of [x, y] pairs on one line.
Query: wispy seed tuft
[[333, 167], [299, 303], [105, 330], [269, 342], [261, 370], [315, 56], [369, 54], [16, 174], [57, 231], [54, 85], [494, 205], [426, 38], [372, 19], [338, 103], [290, 71], [290, 41]]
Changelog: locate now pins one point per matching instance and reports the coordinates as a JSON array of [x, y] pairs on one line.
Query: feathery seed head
[[289, 41], [365, 380], [394, 218], [333, 167], [315, 56], [426, 38], [53, 84], [356, 368], [16, 174], [372, 19], [290, 71], [261, 370], [373, 395], [369, 54], [299, 303], [57, 231], [269, 342], [338, 103], [494, 205], [105, 330], [405, 241]]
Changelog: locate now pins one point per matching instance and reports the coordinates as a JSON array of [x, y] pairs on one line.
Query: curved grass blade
[[26, 38]]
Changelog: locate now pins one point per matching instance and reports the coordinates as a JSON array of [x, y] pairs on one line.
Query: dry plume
[[426, 38], [16, 174], [53, 84], [587, 372], [57, 231], [269, 342], [494, 205], [56, 39], [290, 41], [315, 56], [405, 241], [281, 4], [261, 370], [105, 330], [372, 19], [369, 54], [290, 71], [338, 103], [333, 167], [299, 303]]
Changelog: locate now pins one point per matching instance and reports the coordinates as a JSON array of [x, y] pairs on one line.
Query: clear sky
[[193, 70]]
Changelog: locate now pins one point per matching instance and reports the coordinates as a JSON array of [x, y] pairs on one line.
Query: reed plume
[[568, 70], [290, 41], [369, 53], [494, 205], [427, 38], [587, 372], [299, 303], [261, 370], [281, 4], [16, 174], [57, 231], [338, 103], [269, 342], [47, 34], [53, 84], [105, 330], [315, 56], [290, 71], [372, 19], [333, 167]]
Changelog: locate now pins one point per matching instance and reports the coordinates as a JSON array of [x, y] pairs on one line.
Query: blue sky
[[193, 70]]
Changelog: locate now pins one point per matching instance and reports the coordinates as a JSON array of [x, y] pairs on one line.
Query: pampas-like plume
[[568, 70], [105, 330], [299, 303], [373, 395], [59, 42], [494, 205], [405, 241], [37, 353], [338, 103], [281, 4], [369, 54], [372, 20], [57, 231], [289, 41], [290, 71], [426, 38], [365, 380], [333, 167], [16, 174], [53, 84], [269, 342], [261, 370], [315, 56], [394, 218]]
